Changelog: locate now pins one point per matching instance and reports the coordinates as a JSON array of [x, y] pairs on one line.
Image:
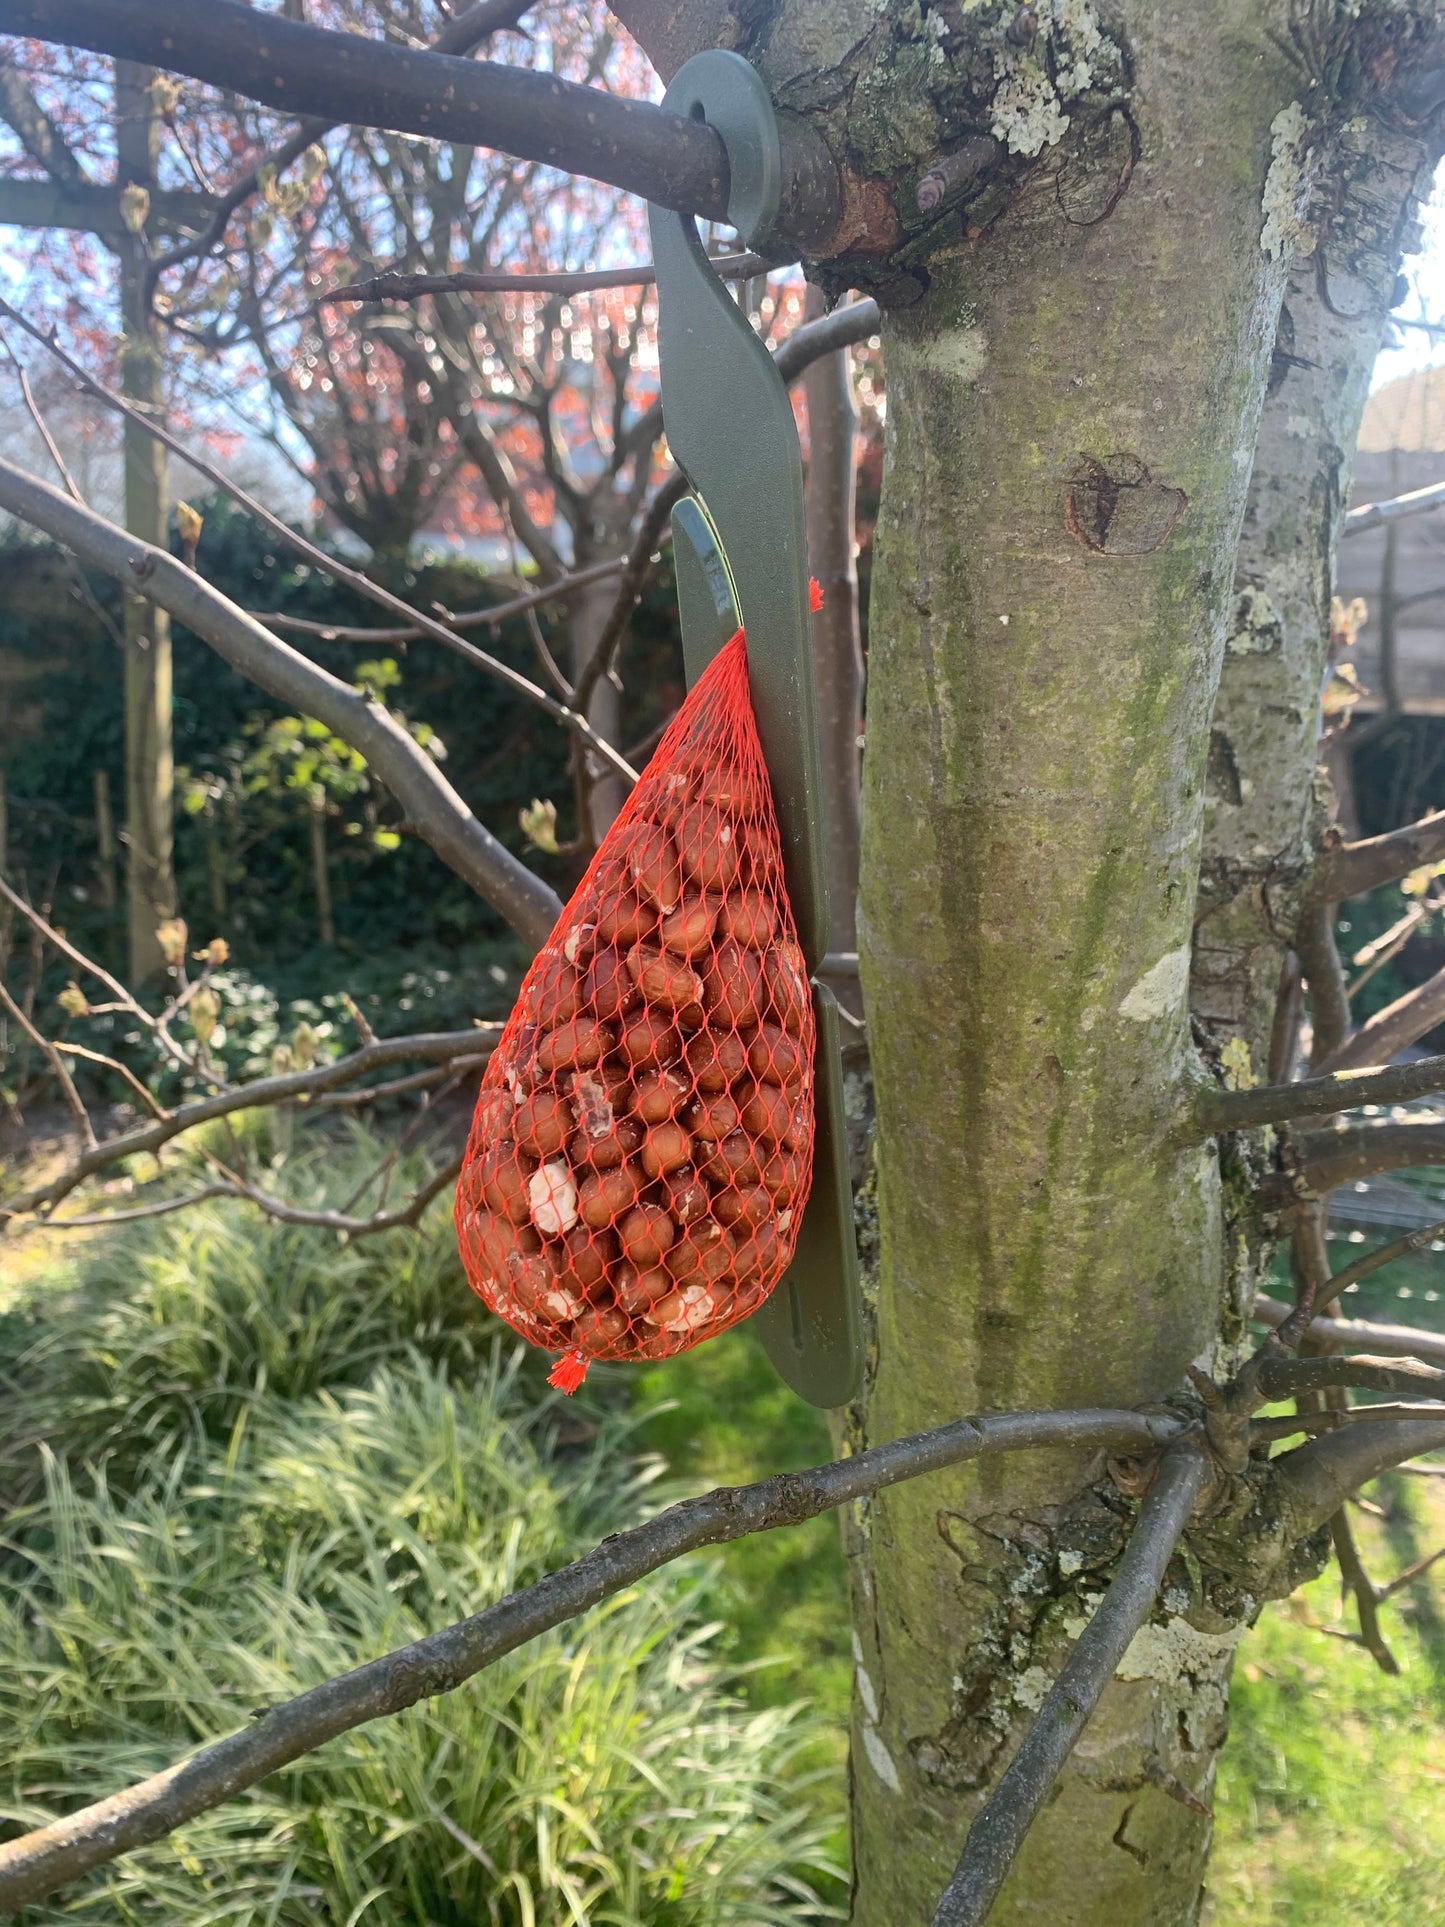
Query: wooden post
[[105, 839]]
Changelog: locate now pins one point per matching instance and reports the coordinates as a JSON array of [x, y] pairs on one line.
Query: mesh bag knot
[[643, 1140]]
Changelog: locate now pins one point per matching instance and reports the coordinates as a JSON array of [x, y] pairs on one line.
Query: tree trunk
[[1071, 415], [149, 775], [832, 490]]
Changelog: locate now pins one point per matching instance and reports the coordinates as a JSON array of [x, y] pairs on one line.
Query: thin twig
[[122, 1071], [40, 1862], [41, 425], [1218, 1110], [1350, 869], [1409, 1575], [57, 1064], [391, 285], [264, 1091], [999, 1828], [1374, 515], [493, 618], [1279, 1377], [1356, 1582]]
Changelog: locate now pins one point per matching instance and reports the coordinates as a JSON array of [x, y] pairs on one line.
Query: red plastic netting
[[643, 1140]]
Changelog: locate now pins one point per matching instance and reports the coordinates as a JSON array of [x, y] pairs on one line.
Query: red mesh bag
[[643, 1140]]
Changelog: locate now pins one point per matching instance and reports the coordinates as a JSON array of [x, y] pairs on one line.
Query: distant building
[[1401, 447]]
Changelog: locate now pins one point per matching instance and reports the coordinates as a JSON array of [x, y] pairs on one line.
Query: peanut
[[590, 1256], [553, 989], [504, 1176], [687, 930], [733, 986], [747, 1207], [707, 845], [733, 1162], [773, 1057], [493, 1115], [653, 861], [601, 1327], [766, 1112], [552, 1196], [604, 1153], [688, 1198], [747, 917], [663, 979], [648, 1039], [609, 989], [623, 919], [541, 1124], [580, 1043], [638, 1291], [713, 1117], [716, 1059], [646, 1233], [660, 1095], [665, 1148], [605, 1195]]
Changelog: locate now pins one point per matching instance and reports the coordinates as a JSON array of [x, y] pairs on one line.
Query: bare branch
[[42, 427], [300, 69], [40, 1862], [1349, 1152], [1341, 1281], [1320, 1476], [639, 560], [1392, 1029], [431, 804], [89, 207], [1314, 944], [57, 1064], [843, 328], [351, 1227], [1220, 1110], [39, 135], [1350, 869], [353, 579], [1374, 515], [391, 285], [1356, 1581], [122, 1071], [288, 1087], [493, 617], [459, 36], [999, 1828], [1292, 1377], [1343, 1334]]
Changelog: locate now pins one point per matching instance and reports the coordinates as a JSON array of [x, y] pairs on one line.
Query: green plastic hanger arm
[[741, 554]]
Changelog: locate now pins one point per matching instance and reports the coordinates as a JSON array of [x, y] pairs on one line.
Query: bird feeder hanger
[[740, 550]]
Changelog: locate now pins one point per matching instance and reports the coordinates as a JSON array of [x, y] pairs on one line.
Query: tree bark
[[1069, 435], [149, 766], [1262, 813]]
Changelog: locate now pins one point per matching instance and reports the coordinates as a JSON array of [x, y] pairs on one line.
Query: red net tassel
[[569, 1371], [815, 594]]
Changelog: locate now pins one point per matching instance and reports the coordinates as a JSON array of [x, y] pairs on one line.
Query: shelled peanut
[[644, 1137]]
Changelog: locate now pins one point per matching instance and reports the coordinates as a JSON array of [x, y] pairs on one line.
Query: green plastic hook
[[741, 553]]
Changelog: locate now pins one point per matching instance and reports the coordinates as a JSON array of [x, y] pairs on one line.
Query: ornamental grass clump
[[272, 1531]]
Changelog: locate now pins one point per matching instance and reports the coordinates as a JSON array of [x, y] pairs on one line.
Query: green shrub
[[172, 1325], [252, 1458]]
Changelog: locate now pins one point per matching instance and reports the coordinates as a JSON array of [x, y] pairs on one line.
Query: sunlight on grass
[[1331, 1797]]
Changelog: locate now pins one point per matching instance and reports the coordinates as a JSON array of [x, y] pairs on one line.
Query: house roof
[[1407, 414]]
